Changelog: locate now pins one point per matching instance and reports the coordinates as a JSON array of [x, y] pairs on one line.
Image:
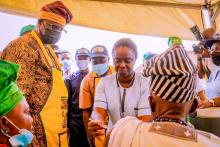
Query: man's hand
[[205, 52], [96, 128]]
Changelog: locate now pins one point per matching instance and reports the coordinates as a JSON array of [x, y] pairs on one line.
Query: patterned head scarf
[[10, 94], [173, 75], [56, 12]]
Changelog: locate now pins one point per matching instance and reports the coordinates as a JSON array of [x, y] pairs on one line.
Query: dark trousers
[[78, 139]]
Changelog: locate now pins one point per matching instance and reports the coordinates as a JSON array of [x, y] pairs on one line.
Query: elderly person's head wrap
[[173, 75], [10, 94], [56, 12]]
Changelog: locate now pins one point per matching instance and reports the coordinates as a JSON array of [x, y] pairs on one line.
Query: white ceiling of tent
[[160, 18]]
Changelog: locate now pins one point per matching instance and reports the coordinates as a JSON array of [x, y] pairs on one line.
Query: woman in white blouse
[[122, 94]]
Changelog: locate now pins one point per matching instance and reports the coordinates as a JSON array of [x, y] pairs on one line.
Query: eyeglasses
[[53, 27]]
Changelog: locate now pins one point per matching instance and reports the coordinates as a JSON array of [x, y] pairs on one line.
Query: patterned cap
[[173, 75], [99, 51], [56, 12], [210, 42], [82, 52]]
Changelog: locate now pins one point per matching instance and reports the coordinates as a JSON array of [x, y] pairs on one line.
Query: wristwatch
[[212, 102]]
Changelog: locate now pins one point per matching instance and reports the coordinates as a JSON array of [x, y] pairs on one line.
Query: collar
[[165, 119], [175, 130]]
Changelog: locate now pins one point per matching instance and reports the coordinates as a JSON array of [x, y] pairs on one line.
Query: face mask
[[215, 56], [22, 139], [50, 36], [66, 64], [100, 69], [50, 39], [82, 64]]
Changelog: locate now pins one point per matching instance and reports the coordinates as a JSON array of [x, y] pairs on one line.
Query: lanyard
[[122, 98], [217, 74]]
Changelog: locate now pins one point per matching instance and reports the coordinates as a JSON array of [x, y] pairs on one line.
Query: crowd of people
[[44, 103]]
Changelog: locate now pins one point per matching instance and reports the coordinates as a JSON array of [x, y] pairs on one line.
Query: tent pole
[[206, 15]]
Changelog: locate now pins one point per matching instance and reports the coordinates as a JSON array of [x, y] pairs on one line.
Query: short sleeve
[[200, 85], [100, 96], [85, 96], [143, 105]]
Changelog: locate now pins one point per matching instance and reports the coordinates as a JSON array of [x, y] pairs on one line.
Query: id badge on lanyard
[[122, 102], [122, 98]]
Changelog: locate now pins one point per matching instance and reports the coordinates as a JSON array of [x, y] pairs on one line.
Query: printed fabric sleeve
[[20, 54]]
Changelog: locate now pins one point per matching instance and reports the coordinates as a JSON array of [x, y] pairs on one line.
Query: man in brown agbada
[[40, 76]]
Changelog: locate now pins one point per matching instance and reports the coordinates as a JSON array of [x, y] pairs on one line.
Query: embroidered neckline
[[165, 119]]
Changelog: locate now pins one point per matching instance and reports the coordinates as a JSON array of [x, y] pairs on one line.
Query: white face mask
[[82, 64], [66, 64]]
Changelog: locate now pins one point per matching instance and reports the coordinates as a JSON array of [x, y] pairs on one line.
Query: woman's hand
[[96, 128], [205, 104]]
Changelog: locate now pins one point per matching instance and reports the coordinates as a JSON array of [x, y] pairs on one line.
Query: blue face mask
[[66, 64], [22, 139], [82, 64], [100, 69]]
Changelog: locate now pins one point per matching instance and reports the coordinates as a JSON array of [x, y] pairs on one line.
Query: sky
[[78, 37]]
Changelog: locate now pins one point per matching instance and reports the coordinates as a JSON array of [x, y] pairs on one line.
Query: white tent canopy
[[160, 18]]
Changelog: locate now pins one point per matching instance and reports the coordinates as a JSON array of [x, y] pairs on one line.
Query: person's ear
[[39, 27], [4, 127], [152, 104], [194, 106], [39, 24]]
